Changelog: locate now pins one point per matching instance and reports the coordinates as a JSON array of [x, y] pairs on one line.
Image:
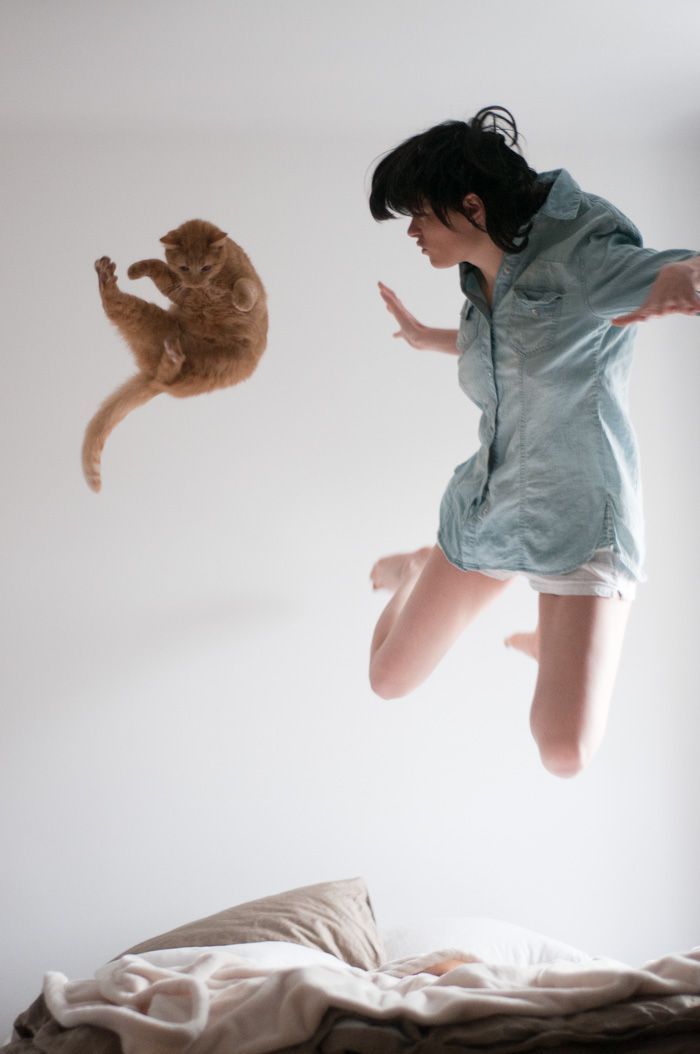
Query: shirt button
[[534, 310]]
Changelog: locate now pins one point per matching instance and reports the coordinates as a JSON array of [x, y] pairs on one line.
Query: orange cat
[[212, 336]]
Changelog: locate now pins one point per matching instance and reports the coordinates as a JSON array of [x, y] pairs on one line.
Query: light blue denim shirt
[[557, 473]]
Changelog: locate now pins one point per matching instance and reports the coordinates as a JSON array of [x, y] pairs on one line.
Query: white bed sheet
[[215, 1001]]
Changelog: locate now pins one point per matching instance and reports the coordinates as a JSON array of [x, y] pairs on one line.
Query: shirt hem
[[520, 568]]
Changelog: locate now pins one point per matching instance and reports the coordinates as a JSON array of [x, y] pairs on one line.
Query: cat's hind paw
[[173, 349], [106, 271], [245, 294], [170, 361]]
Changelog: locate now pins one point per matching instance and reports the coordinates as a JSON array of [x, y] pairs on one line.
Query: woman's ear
[[475, 210]]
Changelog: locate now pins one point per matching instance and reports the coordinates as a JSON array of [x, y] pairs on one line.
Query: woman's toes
[[524, 642]]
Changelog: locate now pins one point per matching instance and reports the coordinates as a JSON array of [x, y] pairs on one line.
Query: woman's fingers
[[389, 296], [626, 320], [643, 314], [387, 293], [673, 293], [399, 312], [408, 325], [393, 303]]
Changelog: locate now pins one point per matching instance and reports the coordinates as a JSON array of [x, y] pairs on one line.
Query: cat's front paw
[[138, 270], [106, 271]]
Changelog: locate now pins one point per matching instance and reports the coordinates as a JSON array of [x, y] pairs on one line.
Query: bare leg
[[397, 573], [433, 602], [579, 643]]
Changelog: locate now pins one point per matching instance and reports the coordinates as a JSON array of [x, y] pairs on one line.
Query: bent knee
[[387, 683], [563, 758]]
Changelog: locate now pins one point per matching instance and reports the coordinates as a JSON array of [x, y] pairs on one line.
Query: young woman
[[553, 279]]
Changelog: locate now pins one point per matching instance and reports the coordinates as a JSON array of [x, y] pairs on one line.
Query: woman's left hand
[[673, 293]]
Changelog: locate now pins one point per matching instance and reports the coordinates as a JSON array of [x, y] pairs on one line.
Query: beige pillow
[[336, 917]]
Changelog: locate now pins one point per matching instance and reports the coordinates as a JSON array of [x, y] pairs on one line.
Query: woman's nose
[[412, 229]]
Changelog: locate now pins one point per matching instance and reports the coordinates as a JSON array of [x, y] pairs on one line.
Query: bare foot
[[391, 571], [528, 643], [443, 967]]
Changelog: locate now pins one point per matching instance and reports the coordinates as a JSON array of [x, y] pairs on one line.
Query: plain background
[[187, 721]]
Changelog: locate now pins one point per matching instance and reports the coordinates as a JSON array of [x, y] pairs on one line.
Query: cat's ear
[[171, 240], [217, 240]]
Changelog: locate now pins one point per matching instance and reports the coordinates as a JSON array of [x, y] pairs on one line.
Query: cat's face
[[195, 252]]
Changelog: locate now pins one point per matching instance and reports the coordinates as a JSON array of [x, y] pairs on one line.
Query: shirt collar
[[561, 203], [564, 195]]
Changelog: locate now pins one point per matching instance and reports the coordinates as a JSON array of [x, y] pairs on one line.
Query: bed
[[310, 970]]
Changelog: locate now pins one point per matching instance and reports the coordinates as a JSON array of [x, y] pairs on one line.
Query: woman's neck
[[487, 269]]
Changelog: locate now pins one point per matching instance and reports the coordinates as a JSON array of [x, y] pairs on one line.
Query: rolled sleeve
[[618, 271]]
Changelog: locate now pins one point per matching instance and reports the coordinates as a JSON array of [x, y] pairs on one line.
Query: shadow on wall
[[126, 645]]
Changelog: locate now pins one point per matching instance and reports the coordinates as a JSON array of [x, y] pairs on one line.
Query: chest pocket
[[534, 320]]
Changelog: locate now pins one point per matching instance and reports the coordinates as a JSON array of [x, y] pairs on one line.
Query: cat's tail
[[134, 392]]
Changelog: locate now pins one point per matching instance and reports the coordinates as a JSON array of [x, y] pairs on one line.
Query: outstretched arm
[[674, 292], [425, 338], [626, 282]]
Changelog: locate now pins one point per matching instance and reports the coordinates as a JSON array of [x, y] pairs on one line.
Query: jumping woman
[[554, 279]]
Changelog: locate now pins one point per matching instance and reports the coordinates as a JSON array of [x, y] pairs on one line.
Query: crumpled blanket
[[216, 1002]]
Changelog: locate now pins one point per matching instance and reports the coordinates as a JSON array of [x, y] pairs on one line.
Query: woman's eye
[[184, 268], [207, 268]]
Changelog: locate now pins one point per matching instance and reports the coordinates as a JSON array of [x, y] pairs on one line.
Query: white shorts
[[602, 576]]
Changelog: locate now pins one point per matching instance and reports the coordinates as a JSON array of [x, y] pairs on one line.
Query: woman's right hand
[[412, 331]]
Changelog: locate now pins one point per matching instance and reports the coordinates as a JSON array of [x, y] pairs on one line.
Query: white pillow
[[279, 954], [491, 940]]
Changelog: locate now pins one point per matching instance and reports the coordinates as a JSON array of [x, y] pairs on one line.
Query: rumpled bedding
[[215, 1003]]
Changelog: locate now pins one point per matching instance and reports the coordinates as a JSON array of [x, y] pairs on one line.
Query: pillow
[[490, 940], [335, 917], [280, 955]]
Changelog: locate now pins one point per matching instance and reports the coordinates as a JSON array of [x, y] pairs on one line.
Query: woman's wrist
[[432, 339], [691, 267]]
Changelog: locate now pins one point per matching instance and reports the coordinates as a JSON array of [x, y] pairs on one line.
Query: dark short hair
[[445, 163]]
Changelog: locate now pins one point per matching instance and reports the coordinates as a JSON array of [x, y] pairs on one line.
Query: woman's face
[[447, 247]]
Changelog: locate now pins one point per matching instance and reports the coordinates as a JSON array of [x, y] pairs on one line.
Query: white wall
[[187, 720]]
